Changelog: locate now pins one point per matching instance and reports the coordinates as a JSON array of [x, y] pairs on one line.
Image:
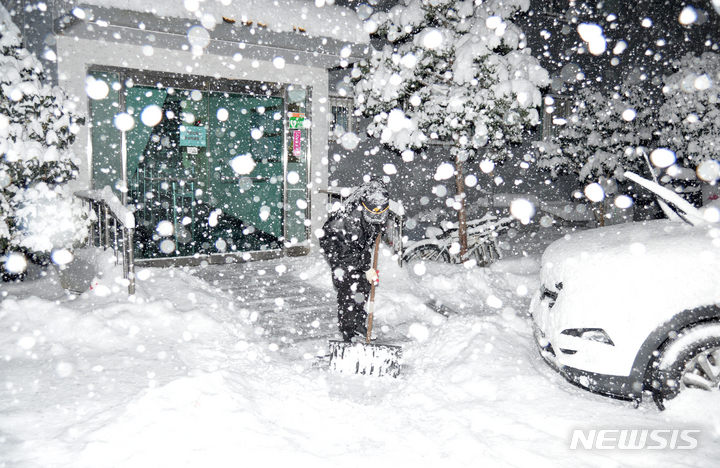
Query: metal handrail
[[113, 227]]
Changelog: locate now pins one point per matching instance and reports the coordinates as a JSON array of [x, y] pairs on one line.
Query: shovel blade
[[365, 358]]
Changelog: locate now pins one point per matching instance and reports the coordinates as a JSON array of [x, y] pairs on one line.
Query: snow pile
[[50, 218], [317, 18], [179, 375]]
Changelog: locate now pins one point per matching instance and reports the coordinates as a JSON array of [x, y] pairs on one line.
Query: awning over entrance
[[252, 41]]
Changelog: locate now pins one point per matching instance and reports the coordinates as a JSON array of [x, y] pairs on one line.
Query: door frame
[[151, 78]]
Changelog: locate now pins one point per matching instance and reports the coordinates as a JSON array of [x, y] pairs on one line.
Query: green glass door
[[167, 166], [205, 170], [246, 170]]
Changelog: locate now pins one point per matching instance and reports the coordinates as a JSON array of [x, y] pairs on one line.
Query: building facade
[[212, 129]]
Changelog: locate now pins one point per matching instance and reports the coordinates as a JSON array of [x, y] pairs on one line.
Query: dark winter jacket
[[348, 239]]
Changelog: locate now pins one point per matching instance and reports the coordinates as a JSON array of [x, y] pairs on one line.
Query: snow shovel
[[366, 358]]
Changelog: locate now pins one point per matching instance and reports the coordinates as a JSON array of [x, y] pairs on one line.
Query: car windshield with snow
[[632, 310]]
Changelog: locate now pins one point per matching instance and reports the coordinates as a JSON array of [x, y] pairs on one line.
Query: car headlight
[[552, 295], [592, 334]]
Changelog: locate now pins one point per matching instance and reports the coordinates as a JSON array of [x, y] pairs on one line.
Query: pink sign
[[297, 143]]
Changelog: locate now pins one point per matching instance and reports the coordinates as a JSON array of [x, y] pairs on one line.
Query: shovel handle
[[371, 307]]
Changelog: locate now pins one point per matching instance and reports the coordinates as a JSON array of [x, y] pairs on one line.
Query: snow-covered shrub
[[604, 135], [37, 127], [690, 117], [455, 72], [50, 218]]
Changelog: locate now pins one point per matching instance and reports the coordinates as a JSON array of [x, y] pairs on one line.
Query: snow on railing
[[114, 227], [107, 196]]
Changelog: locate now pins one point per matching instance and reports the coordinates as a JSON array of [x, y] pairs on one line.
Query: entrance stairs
[[288, 310]]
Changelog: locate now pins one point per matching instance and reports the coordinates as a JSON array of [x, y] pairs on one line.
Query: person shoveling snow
[[348, 241], [351, 234]]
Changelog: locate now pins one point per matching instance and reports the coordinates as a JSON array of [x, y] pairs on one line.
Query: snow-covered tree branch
[[455, 72], [690, 116], [603, 136]]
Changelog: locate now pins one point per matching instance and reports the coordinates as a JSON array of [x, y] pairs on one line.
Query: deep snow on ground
[[184, 375]]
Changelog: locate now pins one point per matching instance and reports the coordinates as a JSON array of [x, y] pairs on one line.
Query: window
[[556, 111], [343, 120], [554, 7]]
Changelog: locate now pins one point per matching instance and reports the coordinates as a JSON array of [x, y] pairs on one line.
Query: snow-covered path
[[188, 375], [293, 313]]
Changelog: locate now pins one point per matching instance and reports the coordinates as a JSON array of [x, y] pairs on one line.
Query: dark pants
[[353, 290]]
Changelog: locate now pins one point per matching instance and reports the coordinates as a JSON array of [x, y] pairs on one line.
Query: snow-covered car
[[633, 309]]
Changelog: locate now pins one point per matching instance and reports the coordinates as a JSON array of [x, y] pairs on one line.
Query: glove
[[373, 276]]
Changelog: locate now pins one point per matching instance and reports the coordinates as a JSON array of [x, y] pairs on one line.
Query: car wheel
[[431, 252], [690, 360]]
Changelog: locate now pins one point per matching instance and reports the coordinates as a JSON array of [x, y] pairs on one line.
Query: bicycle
[[482, 243]]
